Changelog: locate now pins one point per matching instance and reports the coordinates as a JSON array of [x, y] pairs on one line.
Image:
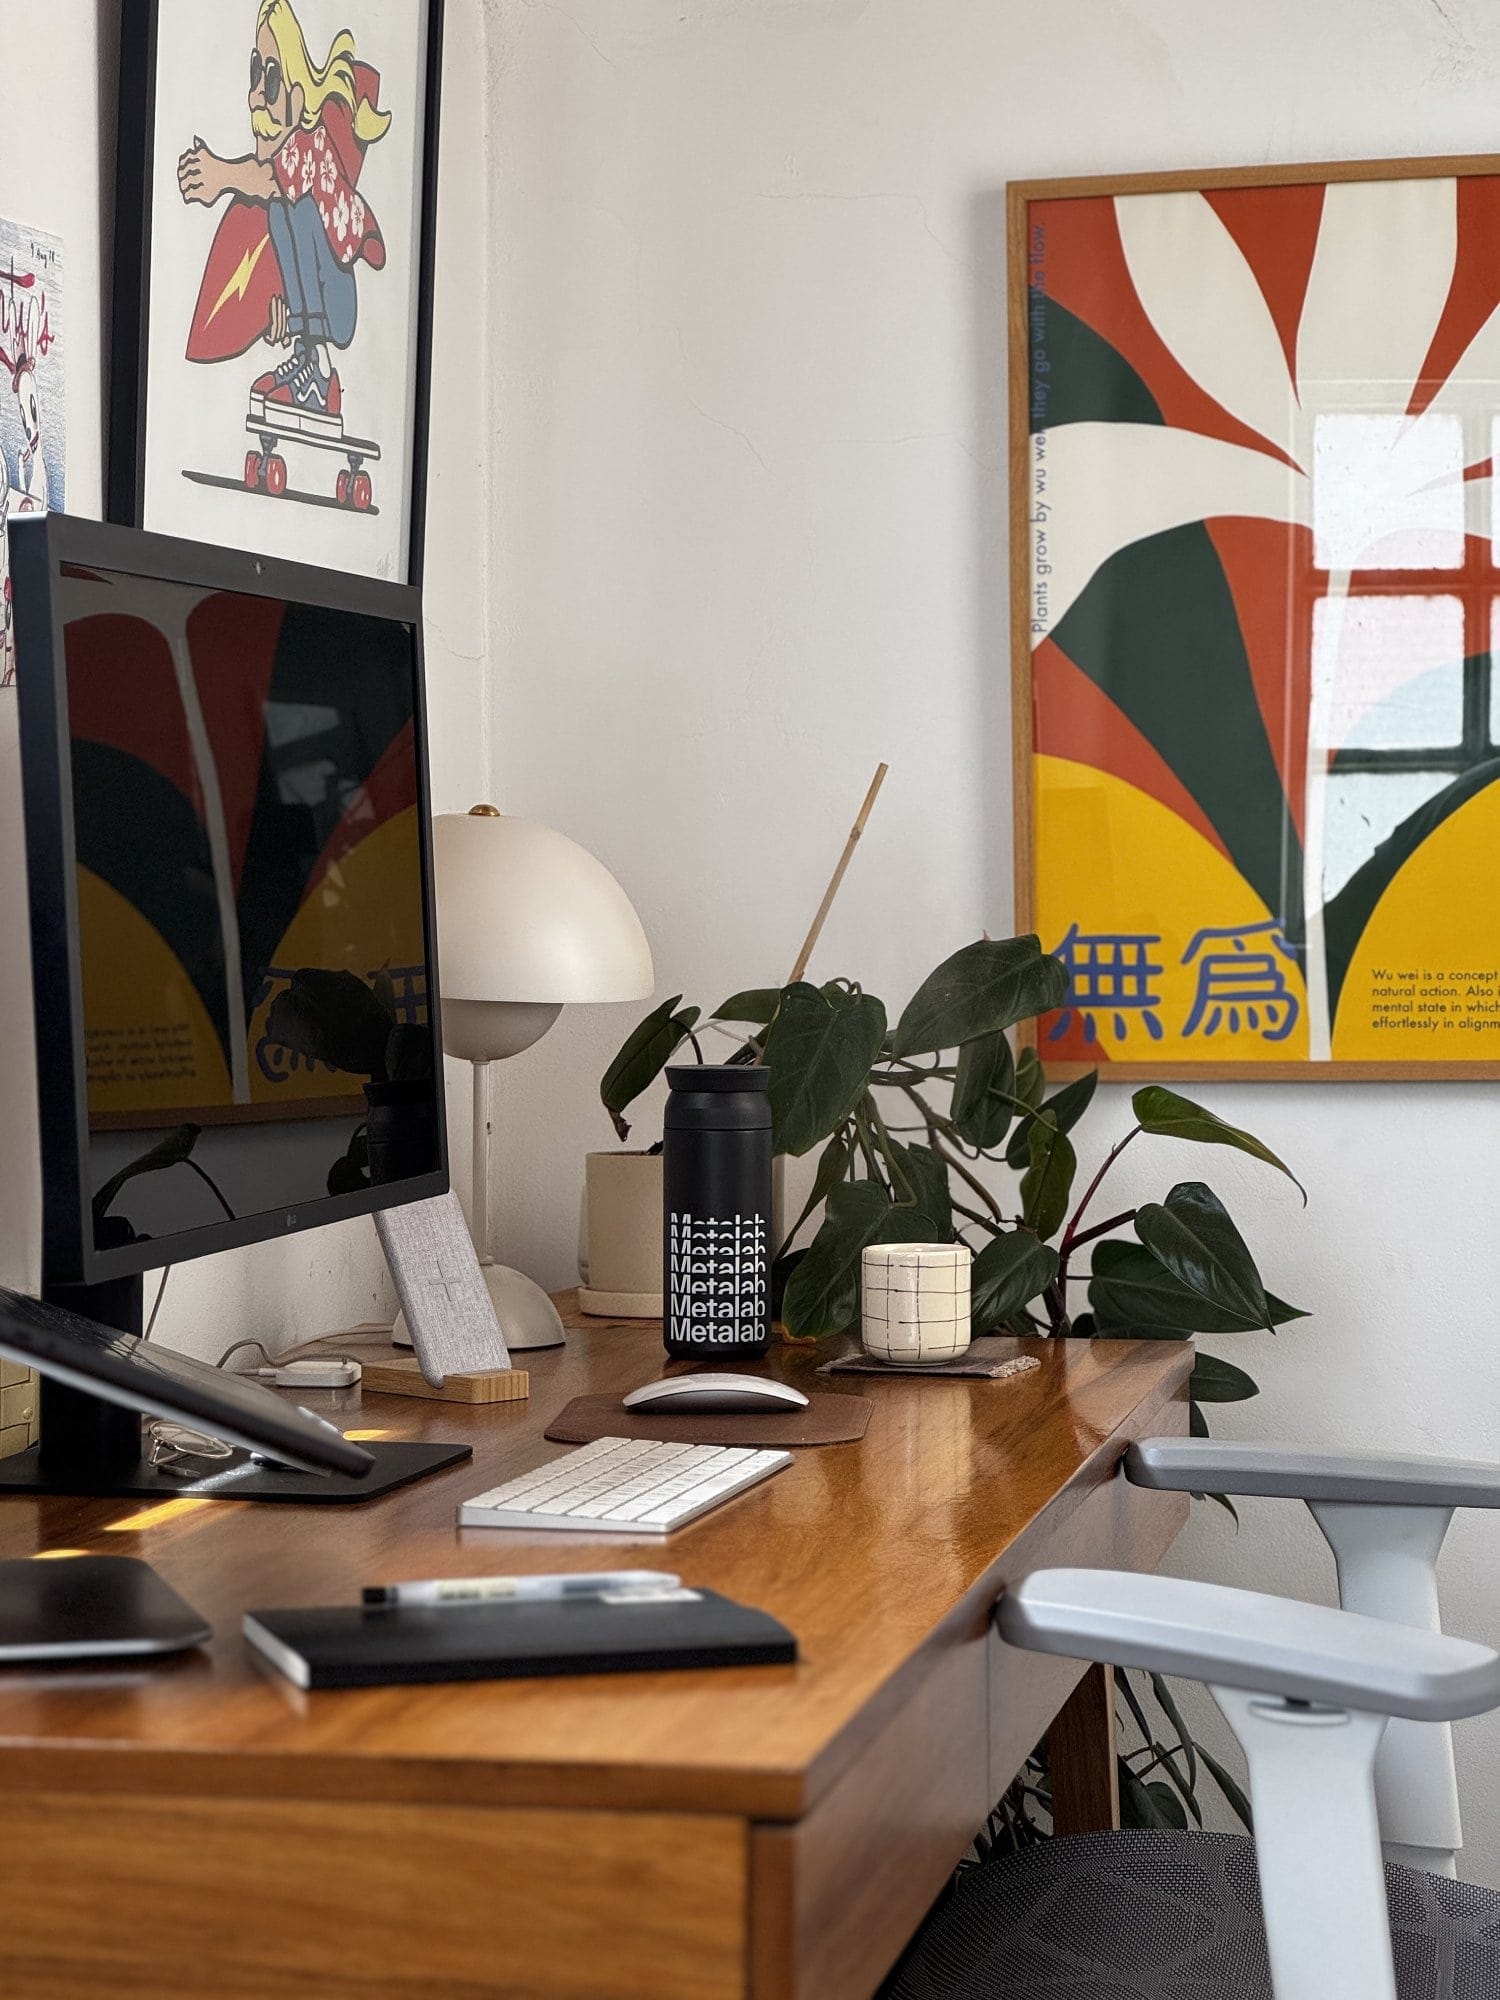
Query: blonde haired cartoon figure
[[282, 266]]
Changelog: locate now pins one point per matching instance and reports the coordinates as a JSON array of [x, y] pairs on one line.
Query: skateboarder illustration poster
[[279, 333], [32, 435]]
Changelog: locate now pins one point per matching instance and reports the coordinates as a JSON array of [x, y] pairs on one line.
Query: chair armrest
[[1287, 1472], [1245, 1640]]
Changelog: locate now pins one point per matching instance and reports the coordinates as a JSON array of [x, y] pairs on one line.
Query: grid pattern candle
[[915, 1301]]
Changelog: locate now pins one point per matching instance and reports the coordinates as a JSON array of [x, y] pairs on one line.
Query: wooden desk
[[201, 1828]]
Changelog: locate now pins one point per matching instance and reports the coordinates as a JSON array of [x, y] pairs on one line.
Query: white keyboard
[[623, 1486]]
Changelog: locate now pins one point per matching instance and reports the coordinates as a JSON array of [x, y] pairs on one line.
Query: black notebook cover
[[354, 1645]]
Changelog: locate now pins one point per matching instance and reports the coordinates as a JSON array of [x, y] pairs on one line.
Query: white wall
[[750, 535], [56, 170]]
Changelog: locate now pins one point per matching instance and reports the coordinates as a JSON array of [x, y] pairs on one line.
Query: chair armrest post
[[1317, 1846], [1387, 1563]]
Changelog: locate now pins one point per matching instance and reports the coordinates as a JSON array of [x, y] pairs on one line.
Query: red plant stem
[[1102, 1228], [1070, 1237]]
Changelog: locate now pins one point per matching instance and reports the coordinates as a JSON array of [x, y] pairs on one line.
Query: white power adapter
[[332, 1373]]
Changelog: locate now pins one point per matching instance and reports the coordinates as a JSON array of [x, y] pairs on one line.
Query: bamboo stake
[[810, 941]]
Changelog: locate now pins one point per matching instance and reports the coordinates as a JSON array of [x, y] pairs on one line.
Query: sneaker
[[308, 400], [273, 379]]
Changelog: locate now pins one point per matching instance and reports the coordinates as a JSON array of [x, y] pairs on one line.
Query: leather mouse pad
[[827, 1419]]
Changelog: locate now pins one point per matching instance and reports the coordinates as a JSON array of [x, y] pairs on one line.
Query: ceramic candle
[[915, 1301]]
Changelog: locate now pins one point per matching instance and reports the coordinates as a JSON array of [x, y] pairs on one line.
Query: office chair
[[1344, 1718]]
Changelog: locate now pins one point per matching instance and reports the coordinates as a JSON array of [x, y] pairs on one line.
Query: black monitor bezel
[[38, 547]]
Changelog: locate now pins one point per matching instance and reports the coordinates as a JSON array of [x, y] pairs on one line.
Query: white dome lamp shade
[[528, 922]]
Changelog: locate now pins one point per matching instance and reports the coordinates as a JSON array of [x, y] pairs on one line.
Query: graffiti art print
[[1255, 583], [275, 235], [33, 437]]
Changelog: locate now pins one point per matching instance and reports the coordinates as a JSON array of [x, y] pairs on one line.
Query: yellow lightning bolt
[[239, 284]]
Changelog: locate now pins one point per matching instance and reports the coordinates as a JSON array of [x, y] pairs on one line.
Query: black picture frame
[[69, 1252], [130, 313]]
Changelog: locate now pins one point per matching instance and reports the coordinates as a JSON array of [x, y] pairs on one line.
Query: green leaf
[[982, 1090], [645, 1053], [1131, 1288], [1238, 1803], [1168, 1804], [1140, 1805], [933, 1204], [833, 1165], [169, 1151], [1216, 1381], [1171, 1116], [1012, 1269], [1170, 1710], [822, 1294], [980, 990], [333, 1018], [1066, 1107], [1193, 1236], [757, 1005], [1031, 1078], [1048, 1181], [819, 1057]]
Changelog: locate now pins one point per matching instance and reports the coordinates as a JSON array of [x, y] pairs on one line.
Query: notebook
[[354, 1645]]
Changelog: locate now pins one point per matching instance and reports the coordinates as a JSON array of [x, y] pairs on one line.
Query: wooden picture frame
[[1256, 732], [272, 300]]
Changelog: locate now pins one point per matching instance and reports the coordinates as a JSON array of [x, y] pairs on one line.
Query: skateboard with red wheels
[[266, 471]]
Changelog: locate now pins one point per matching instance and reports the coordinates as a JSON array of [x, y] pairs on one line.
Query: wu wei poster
[[1255, 585]]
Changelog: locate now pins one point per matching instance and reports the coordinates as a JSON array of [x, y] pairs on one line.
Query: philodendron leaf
[[1048, 1181], [169, 1151], [1216, 1381], [822, 1294], [982, 1090], [1031, 1078], [646, 1051], [1239, 1804], [1065, 1107], [833, 1164], [931, 1205], [757, 1005], [1171, 1116], [1132, 1291], [986, 987], [1012, 1269], [1193, 1236], [819, 1057]]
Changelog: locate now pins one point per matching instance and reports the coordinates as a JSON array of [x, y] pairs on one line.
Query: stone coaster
[[989, 1359]]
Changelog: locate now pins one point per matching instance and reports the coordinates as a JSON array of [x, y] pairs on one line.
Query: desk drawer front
[[240, 1900]]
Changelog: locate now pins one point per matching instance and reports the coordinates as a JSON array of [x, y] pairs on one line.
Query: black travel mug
[[716, 1211]]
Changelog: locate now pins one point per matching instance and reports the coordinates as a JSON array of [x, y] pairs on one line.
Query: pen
[[505, 1589]]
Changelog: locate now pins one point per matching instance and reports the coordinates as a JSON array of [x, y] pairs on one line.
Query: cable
[[166, 1272]]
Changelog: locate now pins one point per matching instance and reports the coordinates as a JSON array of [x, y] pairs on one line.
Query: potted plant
[[939, 1128]]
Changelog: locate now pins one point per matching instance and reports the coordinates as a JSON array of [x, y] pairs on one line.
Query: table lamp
[[528, 922]]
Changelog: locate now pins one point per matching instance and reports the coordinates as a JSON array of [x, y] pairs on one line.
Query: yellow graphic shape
[[1424, 982], [150, 1044], [364, 914], [239, 282], [1117, 863]]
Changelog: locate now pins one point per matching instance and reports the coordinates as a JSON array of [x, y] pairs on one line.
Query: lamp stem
[[480, 1198]]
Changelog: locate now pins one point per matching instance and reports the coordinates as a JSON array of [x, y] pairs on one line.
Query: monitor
[[229, 870]]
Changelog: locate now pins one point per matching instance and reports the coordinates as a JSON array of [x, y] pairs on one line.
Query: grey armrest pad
[[1243, 1639], [1286, 1472]]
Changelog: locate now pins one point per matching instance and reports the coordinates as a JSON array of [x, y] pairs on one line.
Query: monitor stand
[[91, 1447]]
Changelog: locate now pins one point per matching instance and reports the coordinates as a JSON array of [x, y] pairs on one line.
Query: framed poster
[[275, 211], [1255, 574], [33, 426]]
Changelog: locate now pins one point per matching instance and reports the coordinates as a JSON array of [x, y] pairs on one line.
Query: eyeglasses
[[267, 73], [186, 1453]]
